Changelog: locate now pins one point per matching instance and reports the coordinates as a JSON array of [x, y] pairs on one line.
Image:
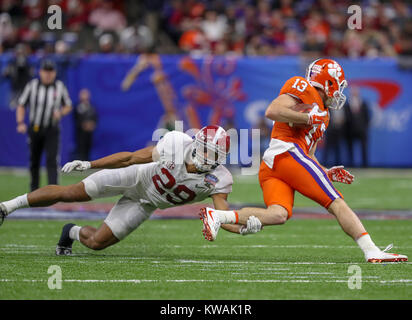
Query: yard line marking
[[136, 281], [278, 262]]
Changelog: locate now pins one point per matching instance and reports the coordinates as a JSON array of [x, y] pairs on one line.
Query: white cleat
[[384, 256], [211, 223]]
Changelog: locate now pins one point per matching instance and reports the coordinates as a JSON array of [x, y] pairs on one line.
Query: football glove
[[338, 174], [253, 225], [316, 117], [76, 165]]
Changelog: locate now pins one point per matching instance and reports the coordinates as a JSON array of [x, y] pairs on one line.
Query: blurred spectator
[[214, 26], [62, 58], [106, 18], [76, 14], [259, 27], [335, 135], [19, 72], [12, 7], [193, 38], [136, 38], [32, 35], [34, 9], [86, 122], [357, 125], [106, 43], [7, 31]]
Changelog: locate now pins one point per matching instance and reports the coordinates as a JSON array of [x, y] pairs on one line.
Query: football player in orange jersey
[[289, 164]]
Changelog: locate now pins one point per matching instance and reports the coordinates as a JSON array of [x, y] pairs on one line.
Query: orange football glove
[[338, 174]]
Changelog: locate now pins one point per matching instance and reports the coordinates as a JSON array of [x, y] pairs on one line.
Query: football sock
[[228, 216], [16, 203], [74, 233], [366, 244]]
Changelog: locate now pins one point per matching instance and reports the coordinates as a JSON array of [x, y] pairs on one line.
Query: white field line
[[84, 256], [276, 263], [253, 246], [136, 281]]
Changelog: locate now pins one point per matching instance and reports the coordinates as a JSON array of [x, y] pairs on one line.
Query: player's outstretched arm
[[124, 159], [280, 110], [253, 224], [114, 161]]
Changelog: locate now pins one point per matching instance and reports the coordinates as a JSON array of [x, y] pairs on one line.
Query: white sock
[[227, 216], [74, 233], [366, 244], [16, 203]]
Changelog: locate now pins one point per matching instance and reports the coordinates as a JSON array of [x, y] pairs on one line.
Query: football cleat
[[64, 247], [211, 223], [384, 256], [63, 251], [3, 213]]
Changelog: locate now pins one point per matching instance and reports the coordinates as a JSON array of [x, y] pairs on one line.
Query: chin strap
[[202, 167]]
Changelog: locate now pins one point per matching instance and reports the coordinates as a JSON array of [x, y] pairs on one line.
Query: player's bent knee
[[276, 215], [73, 193]]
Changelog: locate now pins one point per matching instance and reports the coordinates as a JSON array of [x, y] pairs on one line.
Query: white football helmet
[[210, 148]]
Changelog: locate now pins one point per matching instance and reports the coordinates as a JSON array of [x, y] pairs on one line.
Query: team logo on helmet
[[334, 70]]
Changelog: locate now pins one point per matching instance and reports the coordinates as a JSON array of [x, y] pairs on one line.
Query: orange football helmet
[[328, 75]]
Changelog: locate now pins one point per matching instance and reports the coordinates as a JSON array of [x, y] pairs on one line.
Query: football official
[[47, 101]]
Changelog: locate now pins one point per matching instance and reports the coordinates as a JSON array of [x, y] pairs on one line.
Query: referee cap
[[48, 65]]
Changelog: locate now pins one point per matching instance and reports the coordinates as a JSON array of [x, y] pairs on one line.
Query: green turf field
[[169, 259], [372, 189]]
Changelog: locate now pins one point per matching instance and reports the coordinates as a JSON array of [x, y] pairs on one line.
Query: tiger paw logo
[[334, 70]]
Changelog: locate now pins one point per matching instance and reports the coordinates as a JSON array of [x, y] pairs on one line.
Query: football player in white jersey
[[177, 171]]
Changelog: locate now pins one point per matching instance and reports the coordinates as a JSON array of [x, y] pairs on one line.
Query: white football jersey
[[166, 183]]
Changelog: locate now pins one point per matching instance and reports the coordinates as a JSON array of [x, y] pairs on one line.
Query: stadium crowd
[[240, 27]]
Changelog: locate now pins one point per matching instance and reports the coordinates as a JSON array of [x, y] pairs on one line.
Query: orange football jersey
[[301, 89]]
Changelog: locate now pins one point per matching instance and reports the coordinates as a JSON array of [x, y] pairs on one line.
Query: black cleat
[[64, 247], [3, 213], [63, 251]]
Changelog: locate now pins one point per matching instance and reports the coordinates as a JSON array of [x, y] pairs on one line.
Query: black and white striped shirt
[[43, 101]]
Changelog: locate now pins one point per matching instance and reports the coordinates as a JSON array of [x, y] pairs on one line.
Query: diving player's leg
[[44, 197], [97, 239], [124, 218], [104, 183]]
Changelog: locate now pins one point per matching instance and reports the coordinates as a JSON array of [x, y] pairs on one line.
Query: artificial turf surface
[[372, 189], [169, 259]]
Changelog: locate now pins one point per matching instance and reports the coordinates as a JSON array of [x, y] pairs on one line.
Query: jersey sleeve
[[171, 147], [225, 180], [65, 96], [298, 88], [24, 97]]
